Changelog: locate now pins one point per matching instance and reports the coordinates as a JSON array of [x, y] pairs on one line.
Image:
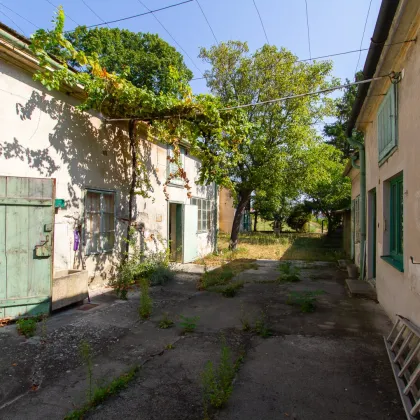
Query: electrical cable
[[173, 39], [363, 36], [104, 23], [140, 14], [262, 23], [208, 23], [67, 16], [17, 14], [307, 25], [14, 23], [341, 53]]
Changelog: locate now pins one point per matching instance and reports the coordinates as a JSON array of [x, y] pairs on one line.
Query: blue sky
[[335, 25]]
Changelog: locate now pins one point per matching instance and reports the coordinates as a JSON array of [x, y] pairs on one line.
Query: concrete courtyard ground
[[328, 364]]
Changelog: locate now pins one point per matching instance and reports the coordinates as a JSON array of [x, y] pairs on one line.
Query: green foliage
[[280, 135], [217, 382], [165, 322], [261, 327], [145, 58], [170, 346], [26, 326], [146, 302], [305, 300], [299, 216], [231, 289], [86, 354], [336, 131], [101, 394], [289, 273], [188, 324], [161, 275]]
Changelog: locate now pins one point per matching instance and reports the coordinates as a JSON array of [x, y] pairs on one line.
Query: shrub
[[188, 324], [289, 273], [305, 300], [231, 289], [161, 275], [26, 326], [300, 215], [166, 322], [146, 302], [261, 326]]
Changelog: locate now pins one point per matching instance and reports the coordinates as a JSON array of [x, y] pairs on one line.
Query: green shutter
[[387, 123], [396, 218]]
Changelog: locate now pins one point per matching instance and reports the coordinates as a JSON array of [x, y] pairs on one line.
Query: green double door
[[26, 244]]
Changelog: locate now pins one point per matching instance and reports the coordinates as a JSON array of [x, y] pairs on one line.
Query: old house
[[386, 178], [64, 189]]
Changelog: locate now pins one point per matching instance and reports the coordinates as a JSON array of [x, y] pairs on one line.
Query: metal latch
[[43, 249]]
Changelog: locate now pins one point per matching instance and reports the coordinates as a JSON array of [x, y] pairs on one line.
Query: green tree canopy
[[144, 58], [280, 134]]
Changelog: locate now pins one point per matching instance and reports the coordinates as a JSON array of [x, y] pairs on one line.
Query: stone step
[[361, 289]]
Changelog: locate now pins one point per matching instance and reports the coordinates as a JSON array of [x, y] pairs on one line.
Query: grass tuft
[[305, 300]]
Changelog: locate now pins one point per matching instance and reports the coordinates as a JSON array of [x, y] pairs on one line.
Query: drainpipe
[[362, 211], [216, 218]]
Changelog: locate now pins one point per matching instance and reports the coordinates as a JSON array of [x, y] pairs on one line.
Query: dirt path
[[329, 364]]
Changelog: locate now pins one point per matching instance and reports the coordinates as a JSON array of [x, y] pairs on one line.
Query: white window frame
[[101, 249], [205, 207]]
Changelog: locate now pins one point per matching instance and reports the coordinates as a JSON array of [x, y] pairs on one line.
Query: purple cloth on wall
[[76, 240]]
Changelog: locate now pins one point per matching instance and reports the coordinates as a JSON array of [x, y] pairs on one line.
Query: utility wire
[[140, 14], [208, 23], [307, 25], [173, 39], [363, 36], [67, 16], [17, 14], [301, 95], [262, 23], [104, 23], [340, 53], [14, 23]]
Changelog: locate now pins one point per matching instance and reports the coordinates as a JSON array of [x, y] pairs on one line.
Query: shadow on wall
[[80, 155]]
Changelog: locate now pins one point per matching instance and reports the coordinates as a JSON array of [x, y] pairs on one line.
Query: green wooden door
[[190, 242], [26, 237]]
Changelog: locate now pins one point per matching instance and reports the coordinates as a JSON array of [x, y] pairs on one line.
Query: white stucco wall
[[43, 136]]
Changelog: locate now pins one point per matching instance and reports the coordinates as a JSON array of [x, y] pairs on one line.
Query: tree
[[213, 136], [336, 131], [148, 58], [328, 190], [300, 214], [280, 134]]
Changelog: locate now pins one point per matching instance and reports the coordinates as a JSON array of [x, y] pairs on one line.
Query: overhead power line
[[208, 23], [103, 22], [307, 25], [17, 14], [173, 39], [140, 14], [363, 36], [262, 23], [14, 23], [301, 95], [341, 53], [67, 16]]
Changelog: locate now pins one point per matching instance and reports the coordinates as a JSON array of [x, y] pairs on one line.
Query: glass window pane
[[93, 201], [108, 201], [107, 222]]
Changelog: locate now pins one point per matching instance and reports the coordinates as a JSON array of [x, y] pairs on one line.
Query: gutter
[[380, 35]]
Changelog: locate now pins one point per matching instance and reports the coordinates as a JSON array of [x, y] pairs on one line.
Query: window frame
[[387, 122], [102, 212], [206, 222], [175, 182]]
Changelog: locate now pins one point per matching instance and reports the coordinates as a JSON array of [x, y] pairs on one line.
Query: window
[[172, 167], [99, 221], [396, 219], [204, 213], [387, 123]]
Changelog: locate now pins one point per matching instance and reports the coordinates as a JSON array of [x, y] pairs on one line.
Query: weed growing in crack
[[231, 289], [146, 302], [100, 394], [217, 382], [86, 353], [26, 326], [169, 346], [288, 273], [246, 325], [166, 322], [188, 324], [261, 327], [305, 300]]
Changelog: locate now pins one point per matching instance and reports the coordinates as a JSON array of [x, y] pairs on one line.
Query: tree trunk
[[133, 151], [255, 221], [244, 197], [329, 224]]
